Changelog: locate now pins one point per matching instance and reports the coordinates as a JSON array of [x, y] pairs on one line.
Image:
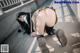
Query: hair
[[23, 24], [21, 13]]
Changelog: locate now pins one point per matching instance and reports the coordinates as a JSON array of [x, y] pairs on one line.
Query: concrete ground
[[23, 43], [53, 45]]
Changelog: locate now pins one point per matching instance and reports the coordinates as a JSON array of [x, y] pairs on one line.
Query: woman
[[43, 20], [23, 19]]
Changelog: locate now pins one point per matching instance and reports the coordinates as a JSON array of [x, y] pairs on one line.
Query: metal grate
[[8, 4]]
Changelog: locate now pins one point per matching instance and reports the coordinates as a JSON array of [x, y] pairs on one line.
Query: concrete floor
[[21, 43], [73, 41]]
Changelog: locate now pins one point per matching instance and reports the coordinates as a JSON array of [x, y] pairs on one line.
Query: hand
[[34, 34]]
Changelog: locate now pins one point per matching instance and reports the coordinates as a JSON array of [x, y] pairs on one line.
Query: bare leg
[[42, 45]]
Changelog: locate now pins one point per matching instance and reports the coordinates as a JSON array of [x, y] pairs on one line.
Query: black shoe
[[19, 30], [51, 32]]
